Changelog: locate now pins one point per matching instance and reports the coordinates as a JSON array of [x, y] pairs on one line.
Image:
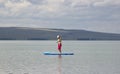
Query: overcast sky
[[93, 15]]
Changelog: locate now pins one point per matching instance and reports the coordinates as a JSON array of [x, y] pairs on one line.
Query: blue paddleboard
[[55, 53]]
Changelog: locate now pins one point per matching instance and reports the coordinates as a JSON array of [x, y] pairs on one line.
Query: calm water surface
[[91, 57]]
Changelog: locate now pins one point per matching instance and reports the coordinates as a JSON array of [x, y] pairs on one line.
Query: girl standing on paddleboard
[[59, 41]]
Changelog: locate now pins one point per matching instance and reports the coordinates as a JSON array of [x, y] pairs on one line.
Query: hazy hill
[[24, 33]]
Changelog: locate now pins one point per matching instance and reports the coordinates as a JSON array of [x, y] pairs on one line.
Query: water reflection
[[59, 64]]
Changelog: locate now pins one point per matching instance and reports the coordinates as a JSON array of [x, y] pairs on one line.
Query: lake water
[[90, 57]]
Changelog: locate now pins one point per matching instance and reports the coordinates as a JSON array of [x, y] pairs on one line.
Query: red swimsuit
[[59, 46]]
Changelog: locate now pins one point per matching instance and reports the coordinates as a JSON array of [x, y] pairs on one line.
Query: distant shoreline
[[63, 39], [21, 33]]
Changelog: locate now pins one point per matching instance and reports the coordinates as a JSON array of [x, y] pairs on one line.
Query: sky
[[92, 15]]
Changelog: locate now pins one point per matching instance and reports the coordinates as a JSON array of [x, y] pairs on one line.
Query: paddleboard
[[55, 53]]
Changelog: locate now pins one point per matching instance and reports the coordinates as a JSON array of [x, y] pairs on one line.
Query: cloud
[[16, 8], [2, 1], [108, 3], [83, 14], [50, 8]]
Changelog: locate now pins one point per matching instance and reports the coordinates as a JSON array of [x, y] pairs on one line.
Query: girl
[[59, 41]]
